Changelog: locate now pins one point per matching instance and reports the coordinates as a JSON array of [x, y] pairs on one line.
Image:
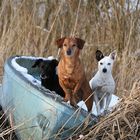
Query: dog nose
[[69, 52], [104, 70]]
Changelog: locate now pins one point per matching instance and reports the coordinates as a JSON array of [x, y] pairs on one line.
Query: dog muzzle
[[104, 70], [69, 52]]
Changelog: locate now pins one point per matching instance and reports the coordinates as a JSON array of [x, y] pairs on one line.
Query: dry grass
[[6, 132], [19, 35], [123, 123]]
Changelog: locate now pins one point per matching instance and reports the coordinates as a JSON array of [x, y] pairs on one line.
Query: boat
[[36, 112]]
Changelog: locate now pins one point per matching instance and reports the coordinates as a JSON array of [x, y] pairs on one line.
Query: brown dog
[[71, 72]]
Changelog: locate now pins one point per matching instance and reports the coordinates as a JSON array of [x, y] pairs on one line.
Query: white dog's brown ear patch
[[80, 43], [99, 55], [59, 42], [113, 55]]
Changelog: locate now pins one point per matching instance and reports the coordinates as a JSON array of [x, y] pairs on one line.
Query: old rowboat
[[35, 112]]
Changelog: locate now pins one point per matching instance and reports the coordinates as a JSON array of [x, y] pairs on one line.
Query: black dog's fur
[[49, 78]]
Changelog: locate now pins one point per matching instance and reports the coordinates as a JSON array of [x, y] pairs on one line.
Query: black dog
[[49, 78]]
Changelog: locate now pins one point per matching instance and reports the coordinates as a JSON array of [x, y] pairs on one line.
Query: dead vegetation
[[26, 29], [123, 123]]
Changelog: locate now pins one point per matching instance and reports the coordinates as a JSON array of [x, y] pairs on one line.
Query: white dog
[[103, 83]]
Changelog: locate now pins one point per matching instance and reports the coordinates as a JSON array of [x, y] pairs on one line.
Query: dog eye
[[101, 63], [74, 45], [109, 64], [65, 45], [43, 67]]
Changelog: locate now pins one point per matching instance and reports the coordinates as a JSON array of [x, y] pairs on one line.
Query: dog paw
[[65, 100], [106, 112], [74, 104]]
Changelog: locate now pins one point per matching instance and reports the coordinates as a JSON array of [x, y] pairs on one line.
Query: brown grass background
[[27, 30]]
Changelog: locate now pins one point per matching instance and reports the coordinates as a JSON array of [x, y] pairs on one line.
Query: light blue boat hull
[[36, 113]]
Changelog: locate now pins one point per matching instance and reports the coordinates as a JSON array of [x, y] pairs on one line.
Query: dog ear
[[37, 63], [113, 55], [80, 43], [54, 62], [99, 55], [60, 41]]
